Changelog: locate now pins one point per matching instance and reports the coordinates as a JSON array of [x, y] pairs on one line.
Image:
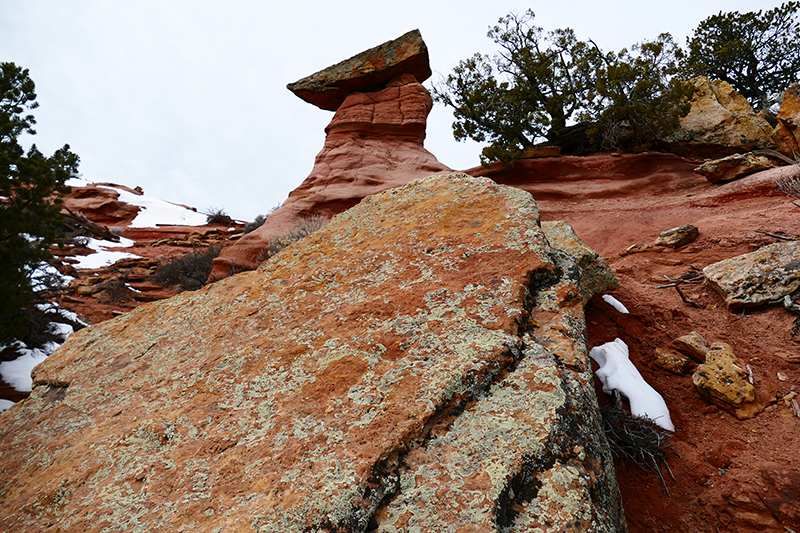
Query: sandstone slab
[[724, 380], [368, 71], [420, 362], [733, 167], [693, 345], [720, 122], [672, 362], [765, 275]]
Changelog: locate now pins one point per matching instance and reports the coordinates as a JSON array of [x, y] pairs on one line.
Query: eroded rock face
[[720, 122], [101, 204], [420, 362], [373, 143], [368, 71]]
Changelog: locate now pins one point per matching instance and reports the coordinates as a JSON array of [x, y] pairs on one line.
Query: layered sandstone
[[374, 142], [420, 362]]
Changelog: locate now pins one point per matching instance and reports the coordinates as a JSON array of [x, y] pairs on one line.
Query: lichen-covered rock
[[677, 237], [720, 122], [787, 133], [596, 277], [420, 362], [724, 380], [733, 167], [368, 71], [765, 275], [374, 142]]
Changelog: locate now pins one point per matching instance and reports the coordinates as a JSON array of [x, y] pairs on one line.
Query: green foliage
[[29, 213], [758, 53], [538, 84], [639, 98], [525, 93]]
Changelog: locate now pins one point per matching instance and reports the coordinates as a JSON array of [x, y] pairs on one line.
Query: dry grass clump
[[303, 228], [189, 271], [636, 439]]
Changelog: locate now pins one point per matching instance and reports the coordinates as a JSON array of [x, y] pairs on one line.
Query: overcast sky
[[188, 98]]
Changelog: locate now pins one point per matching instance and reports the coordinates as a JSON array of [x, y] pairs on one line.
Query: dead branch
[[98, 230]]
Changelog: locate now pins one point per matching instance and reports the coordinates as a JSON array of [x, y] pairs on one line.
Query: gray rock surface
[[765, 275]]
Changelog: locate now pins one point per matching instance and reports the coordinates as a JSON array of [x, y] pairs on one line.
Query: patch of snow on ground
[[616, 304], [17, 373], [617, 372], [103, 256], [158, 212]]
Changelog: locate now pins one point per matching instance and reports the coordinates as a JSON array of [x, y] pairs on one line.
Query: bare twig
[[776, 236]]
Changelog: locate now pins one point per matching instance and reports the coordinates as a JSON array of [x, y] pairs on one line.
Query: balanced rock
[[765, 275], [373, 143], [733, 167], [720, 122], [420, 361], [724, 380], [787, 133], [677, 237], [368, 71]]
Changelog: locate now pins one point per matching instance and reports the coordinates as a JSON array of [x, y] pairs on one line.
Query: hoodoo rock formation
[[373, 143], [418, 364]]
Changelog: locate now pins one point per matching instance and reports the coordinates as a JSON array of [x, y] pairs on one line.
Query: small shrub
[[189, 271], [218, 216], [304, 227], [255, 224], [790, 186]]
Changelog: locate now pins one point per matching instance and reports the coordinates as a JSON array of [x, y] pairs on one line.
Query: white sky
[[188, 99]]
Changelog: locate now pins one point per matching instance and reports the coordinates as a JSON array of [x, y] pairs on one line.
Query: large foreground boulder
[[418, 364]]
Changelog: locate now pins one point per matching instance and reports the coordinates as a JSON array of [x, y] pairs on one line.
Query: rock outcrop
[[787, 132], [765, 275], [733, 167], [366, 72], [720, 122], [722, 379], [374, 142], [419, 363]]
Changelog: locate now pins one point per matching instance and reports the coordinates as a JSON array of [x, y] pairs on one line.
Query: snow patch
[[17, 373], [5, 404], [617, 372], [616, 304], [103, 256], [154, 212]]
